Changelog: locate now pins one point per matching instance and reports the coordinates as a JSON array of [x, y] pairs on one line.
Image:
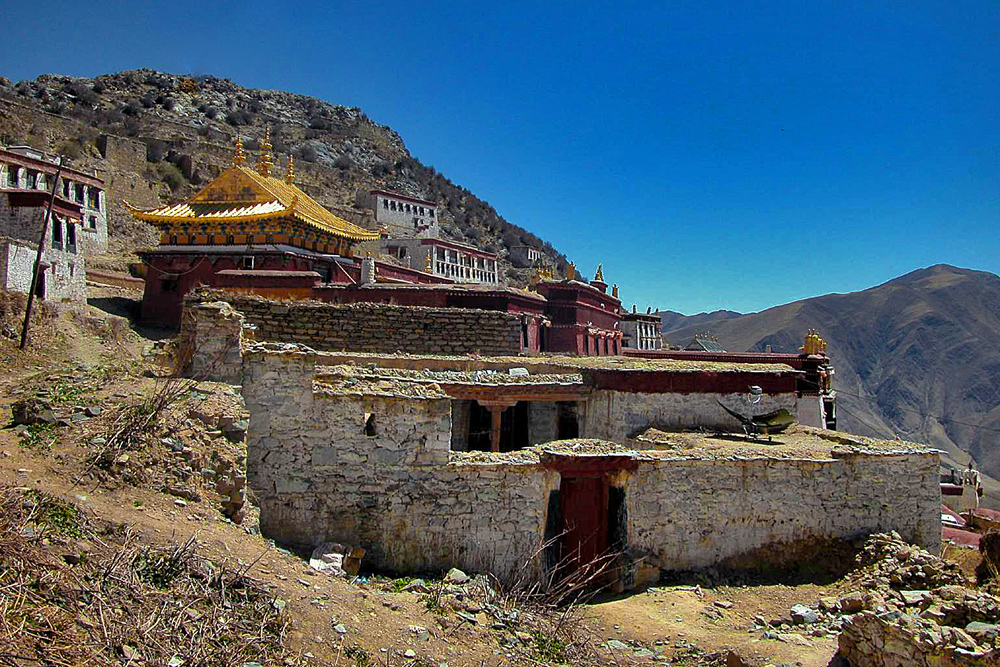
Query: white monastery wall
[[617, 415]]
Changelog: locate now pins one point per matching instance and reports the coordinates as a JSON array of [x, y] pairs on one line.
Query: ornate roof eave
[[149, 216]]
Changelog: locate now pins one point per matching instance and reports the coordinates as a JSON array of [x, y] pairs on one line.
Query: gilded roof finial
[[290, 171], [239, 158], [264, 165], [599, 276], [614, 290], [571, 271]]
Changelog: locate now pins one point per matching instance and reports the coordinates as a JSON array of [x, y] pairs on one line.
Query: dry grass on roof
[[797, 442], [334, 385], [555, 364], [484, 377]]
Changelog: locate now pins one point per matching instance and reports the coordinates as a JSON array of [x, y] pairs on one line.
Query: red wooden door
[[585, 519]]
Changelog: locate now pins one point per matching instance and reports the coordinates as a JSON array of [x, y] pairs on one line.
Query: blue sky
[[711, 155]]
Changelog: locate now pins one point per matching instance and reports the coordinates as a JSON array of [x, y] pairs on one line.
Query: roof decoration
[[599, 276], [290, 171], [814, 343], [614, 290], [571, 271], [265, 162], [239, 158]]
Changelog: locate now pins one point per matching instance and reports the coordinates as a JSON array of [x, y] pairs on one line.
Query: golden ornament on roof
[[264, 165], [290, 170], [599, 276], [239, 158]]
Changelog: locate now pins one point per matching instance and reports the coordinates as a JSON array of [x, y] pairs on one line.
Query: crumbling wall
[[210, 340], [894, 639], [369, 327], [617, 415], [697, 513], [319, 477]]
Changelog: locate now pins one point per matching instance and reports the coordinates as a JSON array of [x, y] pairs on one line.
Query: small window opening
[[248, 262], [168, 285], [369, 424]]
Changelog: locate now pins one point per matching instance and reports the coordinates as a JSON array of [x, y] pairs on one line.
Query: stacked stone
[[210, 341], [368, 327], [917, 611]]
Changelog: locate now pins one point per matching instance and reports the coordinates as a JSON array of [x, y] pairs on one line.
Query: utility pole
[[38, 256]]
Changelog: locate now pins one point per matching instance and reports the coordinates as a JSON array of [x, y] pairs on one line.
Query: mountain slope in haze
[[188, 125], [907, 353], [670, 320]]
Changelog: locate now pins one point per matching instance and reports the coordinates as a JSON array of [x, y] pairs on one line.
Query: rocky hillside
[[916, 356], [187, 126]]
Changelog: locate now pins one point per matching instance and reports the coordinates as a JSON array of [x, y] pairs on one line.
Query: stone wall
[[210, 342], [892, 639], [319, 477], [695, 513], [617, 415], [367, 327], [17, 261], [64, 278]]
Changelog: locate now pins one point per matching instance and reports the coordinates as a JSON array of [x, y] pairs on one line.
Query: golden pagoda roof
[[241, 194]]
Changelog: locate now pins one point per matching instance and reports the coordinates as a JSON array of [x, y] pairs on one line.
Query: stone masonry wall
[[616, 415], [210, 342], [366, 327], [892, 639], [318, 477], [697, 513]]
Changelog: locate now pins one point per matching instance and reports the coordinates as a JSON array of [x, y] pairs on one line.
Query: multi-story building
[[402, 216], [25, 168], [641, 331], [76, 226], [458, 262]]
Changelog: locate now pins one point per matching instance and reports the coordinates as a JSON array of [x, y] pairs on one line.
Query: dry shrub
[[121, 602], [12, 305]]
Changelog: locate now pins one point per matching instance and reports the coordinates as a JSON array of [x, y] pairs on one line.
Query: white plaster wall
[[617, 415], [693, 514], [318, 477]]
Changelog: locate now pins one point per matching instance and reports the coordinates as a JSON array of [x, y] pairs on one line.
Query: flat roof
[[798, 443]]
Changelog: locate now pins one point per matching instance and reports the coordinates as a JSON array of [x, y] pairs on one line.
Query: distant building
[[458, 262], [705, 343], [525, 255], [400, 215], [641, 331], [77, 224]]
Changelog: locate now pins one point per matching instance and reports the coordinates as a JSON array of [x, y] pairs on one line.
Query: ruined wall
[[318, 477], [17, 261], [697, 513], [617, 415], [367, 327], [209, 345], [891, 639]]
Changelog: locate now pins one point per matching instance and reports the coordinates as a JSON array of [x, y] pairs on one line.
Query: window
[[173, 240], [385, 203], [12, 177], [57, 233], [78, 193], [430, 213], [168, 285], [92, 222], [248, 262], [230, 240], [369, 424], [70, 235], [93, 197], [393, 206]]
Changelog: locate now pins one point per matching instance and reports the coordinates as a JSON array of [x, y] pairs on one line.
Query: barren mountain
[[188, 124], [915, 357]]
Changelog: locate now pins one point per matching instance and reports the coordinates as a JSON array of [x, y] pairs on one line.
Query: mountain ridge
[[915, 356]]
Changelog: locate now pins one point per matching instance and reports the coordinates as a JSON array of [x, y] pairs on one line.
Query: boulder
[[32, 411]]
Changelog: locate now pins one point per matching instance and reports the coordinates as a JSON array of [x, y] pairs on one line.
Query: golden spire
[[290, 171], [599, 276], [614, 290], [571, 271], [264, 165], [239, 158]]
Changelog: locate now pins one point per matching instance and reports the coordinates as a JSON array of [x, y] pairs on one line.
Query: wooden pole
[[38, 256]]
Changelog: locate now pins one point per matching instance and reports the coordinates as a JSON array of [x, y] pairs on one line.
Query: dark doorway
[[40, 284], [567, 423], [513, 427]]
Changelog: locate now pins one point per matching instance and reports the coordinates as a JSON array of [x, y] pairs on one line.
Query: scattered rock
[[803, 615], [456, 576]]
